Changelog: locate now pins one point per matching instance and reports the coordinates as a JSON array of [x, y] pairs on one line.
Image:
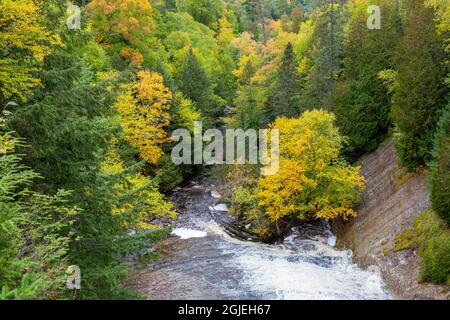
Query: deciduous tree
[[313, 182], [143, 108], [130, 19], [24, 42]]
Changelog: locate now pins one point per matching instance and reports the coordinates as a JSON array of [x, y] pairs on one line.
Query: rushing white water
[[185, 233], [301, 268], [206, 263]]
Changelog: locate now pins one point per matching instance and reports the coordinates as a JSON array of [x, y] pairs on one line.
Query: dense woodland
[[87, 114]]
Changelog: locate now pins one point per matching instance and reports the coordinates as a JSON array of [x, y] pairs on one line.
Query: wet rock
[[215, 194], [220, 207], [230, 224]]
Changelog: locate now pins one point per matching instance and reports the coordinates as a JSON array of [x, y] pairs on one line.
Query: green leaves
[[26, 289], [361, 100], [35, 231], [439, 176], [421, 92]]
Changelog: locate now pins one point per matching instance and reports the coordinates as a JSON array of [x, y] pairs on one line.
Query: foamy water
[[204, 262], [185, 233], [208, 263]]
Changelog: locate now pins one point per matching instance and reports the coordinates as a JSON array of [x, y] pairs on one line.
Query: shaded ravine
[[201, 261]]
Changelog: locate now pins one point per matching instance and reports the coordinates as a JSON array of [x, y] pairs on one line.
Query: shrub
[[432, 236], [434, 247]]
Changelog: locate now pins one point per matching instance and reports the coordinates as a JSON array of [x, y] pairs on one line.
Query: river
[[201, 261]]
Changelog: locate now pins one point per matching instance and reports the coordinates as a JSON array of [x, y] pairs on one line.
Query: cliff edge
[[393, 198]]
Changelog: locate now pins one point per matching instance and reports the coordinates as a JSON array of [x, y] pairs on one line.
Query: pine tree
[[69, 124], [361, 101], [297, 17], [421, 91], [255, 18], [439, 177], [36, 230], [285, 101], [324, 57], [194, 83]]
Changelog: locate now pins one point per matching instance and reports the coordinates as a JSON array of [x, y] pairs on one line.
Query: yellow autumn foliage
[[146, 202], [143, 109], [131, 19], [24, 42], [442, 11], [225, 34], [313, 182]]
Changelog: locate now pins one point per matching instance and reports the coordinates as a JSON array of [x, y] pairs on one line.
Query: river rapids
[[201, 261]]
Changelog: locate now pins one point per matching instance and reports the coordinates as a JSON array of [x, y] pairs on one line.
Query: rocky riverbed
[[201, 260]]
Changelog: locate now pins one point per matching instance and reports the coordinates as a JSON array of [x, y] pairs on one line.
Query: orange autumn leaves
[[132, 55], [131, 19], [143, 109], [313, 182]]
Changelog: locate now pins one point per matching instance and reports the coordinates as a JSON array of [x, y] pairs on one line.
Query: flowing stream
[[201, 261]]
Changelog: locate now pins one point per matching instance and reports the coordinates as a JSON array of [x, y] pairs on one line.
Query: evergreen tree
[[36, 230], [361, 101], [297, 17], [254, 10], [421, 91], [439, 177], [324, 57], [194, 83], [285, 101], [69, 124]]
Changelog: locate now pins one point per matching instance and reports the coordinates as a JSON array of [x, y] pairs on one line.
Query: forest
[[90, 95]]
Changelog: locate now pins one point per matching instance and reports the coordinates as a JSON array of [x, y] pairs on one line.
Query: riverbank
[[390, 203]]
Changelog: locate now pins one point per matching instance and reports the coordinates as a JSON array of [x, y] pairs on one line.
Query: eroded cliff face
[[390, 203]]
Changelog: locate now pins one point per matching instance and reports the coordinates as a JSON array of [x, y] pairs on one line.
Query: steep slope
[[390, 203]]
